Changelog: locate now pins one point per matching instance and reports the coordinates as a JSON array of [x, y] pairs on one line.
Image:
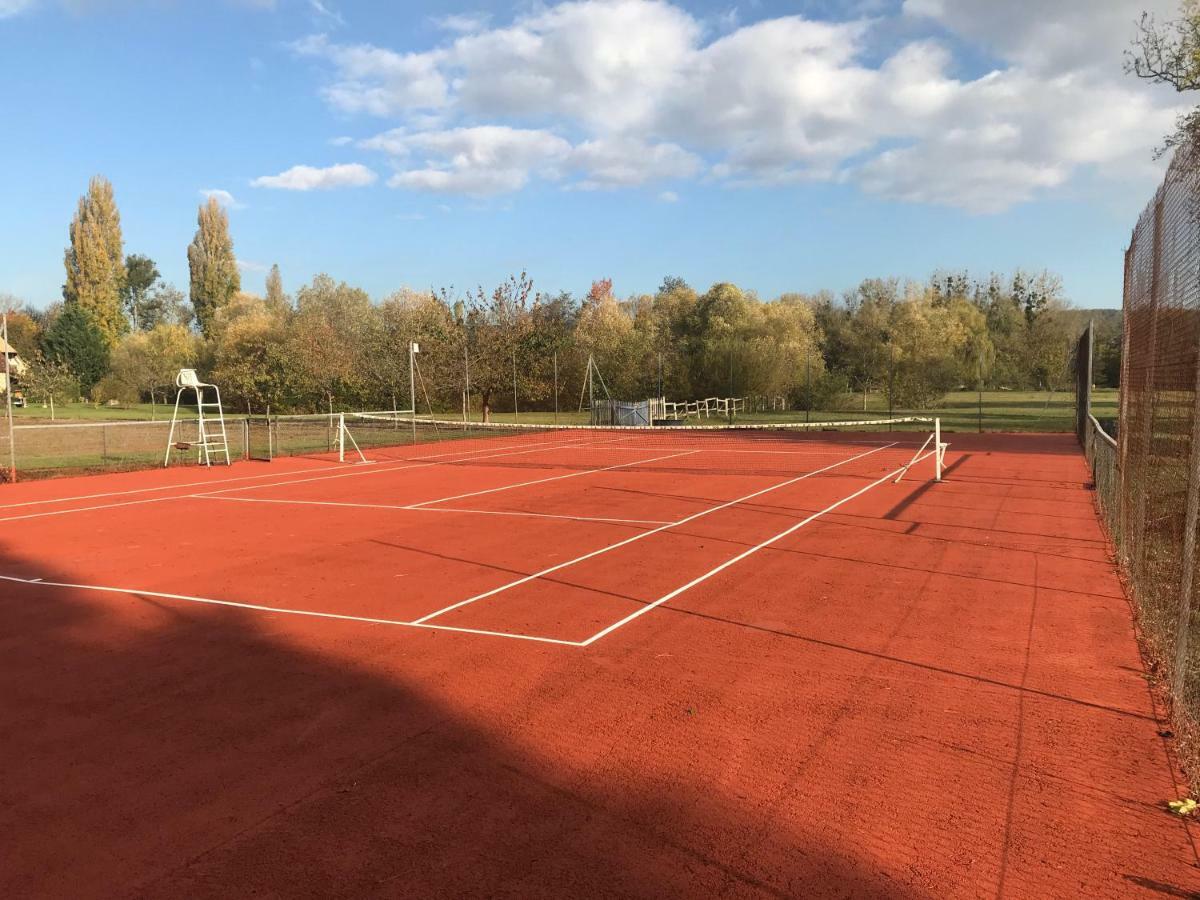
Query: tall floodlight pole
[[729, 402], [808, 400], [413, 349], [8, 392]]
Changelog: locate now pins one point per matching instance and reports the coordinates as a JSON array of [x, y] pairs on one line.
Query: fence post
[[1123, 398], [1137, 531], [8, 392], [1083, 381], [1188, 579]]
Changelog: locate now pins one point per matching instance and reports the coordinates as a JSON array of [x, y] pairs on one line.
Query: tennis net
[[774, 449]]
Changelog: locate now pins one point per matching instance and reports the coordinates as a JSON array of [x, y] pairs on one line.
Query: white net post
[[341, 438], [8, 392], [937, 449]]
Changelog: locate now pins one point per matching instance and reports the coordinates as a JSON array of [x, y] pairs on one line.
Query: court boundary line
[[716, 570], [259, 607], [509, 487], [441, 509], [358, 470], [645, 534], [422, 623], [399, 465]]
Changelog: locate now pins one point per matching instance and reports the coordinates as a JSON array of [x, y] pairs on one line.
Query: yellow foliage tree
[[95, 260]]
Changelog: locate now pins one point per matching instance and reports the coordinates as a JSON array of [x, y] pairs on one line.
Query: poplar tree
[[95, 261], [214, 272], [275, 295]]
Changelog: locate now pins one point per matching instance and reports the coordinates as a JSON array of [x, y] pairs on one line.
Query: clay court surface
[[643, 671]]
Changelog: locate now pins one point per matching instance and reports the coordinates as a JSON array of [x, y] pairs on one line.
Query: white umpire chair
[[211, 441]]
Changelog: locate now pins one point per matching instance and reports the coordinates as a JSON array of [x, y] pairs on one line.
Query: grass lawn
[[959, 411], [37, 414]]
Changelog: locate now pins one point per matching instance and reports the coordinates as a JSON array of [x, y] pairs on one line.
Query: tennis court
[[548, 661]]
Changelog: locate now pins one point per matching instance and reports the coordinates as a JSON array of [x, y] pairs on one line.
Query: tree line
[[121, 333]]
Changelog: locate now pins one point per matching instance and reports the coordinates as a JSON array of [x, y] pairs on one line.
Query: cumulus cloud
[[310, 178], [479, 162], [624, 162], [615, 93], [223, 197]]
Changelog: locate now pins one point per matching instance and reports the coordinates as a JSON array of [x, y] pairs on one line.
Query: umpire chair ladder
[[211, 441]]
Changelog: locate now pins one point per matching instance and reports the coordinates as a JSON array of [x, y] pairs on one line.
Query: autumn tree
[[141, 274], [325, 339], [496, 325], [214, 272], [1169, 53], [95, 261], [145, 363], [275, 295]]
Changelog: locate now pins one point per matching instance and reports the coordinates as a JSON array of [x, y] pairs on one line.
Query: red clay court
[[545, 664]]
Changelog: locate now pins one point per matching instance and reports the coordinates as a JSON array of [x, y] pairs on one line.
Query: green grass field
[[37, 414], [960, 411]]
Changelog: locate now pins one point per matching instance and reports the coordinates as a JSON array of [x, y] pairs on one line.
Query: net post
[[341, 443], [8, 392], [937, 448]]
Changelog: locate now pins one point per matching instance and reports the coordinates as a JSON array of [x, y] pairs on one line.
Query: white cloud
[[9, 8], [323, 13], [668, 197], [478, 162], [463, 23], [342, 141], [247, 266], [625, 162], [377, 81], [223, 197], [646, 91], [309, 178]]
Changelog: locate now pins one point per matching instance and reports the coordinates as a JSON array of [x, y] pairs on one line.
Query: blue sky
[[779, 146]]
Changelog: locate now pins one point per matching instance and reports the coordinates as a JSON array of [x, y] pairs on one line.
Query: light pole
[[413, 349]]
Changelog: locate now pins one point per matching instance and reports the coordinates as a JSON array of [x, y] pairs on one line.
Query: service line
[[645, 534], [729, 562]]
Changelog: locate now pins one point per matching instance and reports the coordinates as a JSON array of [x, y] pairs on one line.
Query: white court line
[[509, 487], [644, 534], [420, 623], [407, 463], [258, 607], [725, 565], [441, 509], [373, 470]]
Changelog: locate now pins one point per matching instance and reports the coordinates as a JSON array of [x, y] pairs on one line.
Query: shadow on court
[[156, 750]]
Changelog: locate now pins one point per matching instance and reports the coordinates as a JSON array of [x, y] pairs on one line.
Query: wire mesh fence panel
[[1147, 480], [75, 448], [1082, 363]]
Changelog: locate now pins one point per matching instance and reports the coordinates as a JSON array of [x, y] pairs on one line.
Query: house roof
[[6, 347]]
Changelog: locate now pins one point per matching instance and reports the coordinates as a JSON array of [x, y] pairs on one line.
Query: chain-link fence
[[1147, 475], [71, 448]]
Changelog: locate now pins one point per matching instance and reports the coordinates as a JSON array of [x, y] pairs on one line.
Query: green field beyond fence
[[78, 442], [959, 411]]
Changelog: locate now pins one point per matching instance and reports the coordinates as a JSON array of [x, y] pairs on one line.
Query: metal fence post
[[1145, 426], [1188, 579]]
